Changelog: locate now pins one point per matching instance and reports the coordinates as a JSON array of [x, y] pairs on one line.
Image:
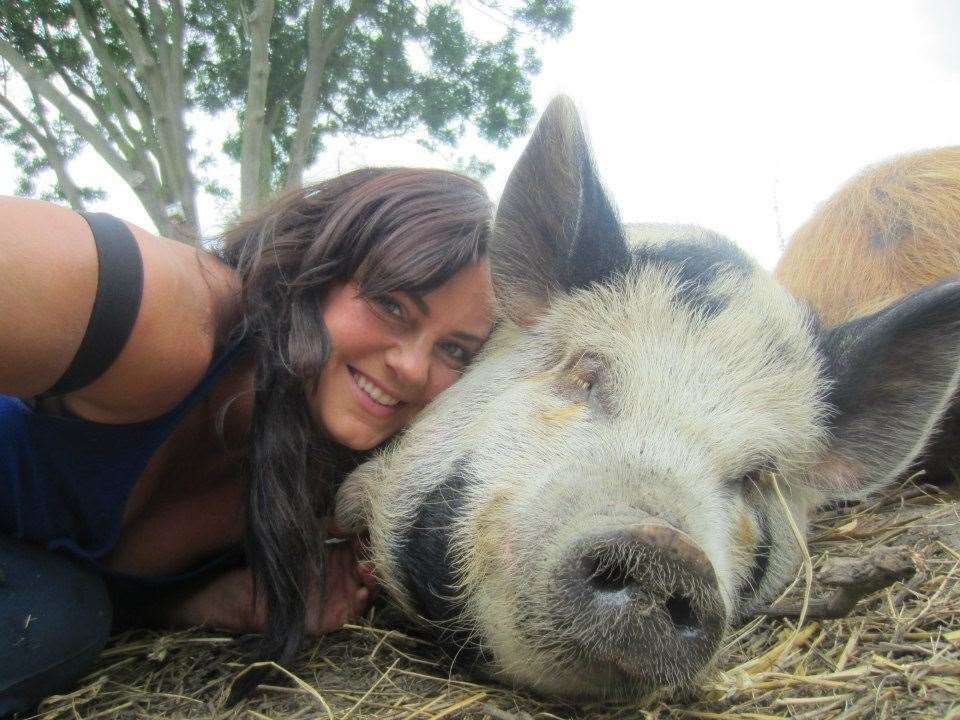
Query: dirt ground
[[897, 655]]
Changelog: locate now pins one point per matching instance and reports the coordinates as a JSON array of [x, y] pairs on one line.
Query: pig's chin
[[584, 678], [577, 668], [629, 678]]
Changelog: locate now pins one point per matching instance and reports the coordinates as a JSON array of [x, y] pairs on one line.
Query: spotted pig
[[889, 231], [589, 509]]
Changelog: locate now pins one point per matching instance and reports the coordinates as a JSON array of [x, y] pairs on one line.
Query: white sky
[[738, 115]]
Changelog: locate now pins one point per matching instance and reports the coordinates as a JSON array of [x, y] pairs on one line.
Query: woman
[[173, 423]]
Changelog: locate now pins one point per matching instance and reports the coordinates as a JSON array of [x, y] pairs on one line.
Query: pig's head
[[591, 506]]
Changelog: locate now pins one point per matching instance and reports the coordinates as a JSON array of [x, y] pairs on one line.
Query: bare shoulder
[[48, 278], [189, 297]]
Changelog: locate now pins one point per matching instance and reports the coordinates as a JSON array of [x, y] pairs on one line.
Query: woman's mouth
[[381, 400]]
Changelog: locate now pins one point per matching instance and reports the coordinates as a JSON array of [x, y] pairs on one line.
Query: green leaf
[[397, 68]]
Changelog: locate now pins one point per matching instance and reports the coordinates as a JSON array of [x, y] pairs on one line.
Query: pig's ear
[[894, 374], [353, 497], [555, 228]]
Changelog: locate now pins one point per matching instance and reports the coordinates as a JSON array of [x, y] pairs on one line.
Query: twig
[[854, 579]]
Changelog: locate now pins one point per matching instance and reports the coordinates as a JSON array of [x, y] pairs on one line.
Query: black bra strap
[[115, 307]]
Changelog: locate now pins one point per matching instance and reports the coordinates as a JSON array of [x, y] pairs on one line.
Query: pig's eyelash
[[756, 478], [585, 371]]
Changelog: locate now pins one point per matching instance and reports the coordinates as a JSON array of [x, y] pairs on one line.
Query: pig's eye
[[743, 484], [583, 383], [754, 480], [583, 374]]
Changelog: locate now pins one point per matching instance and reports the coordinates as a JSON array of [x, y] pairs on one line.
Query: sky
[[738, 115]]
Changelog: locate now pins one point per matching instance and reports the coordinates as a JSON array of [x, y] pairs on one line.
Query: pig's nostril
[[683, 618], [608, 578]]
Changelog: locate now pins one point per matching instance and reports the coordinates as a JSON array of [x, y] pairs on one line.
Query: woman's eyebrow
[[418, 301], [460, 335]]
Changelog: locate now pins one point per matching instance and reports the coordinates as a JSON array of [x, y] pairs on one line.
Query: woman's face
[[392, 355]]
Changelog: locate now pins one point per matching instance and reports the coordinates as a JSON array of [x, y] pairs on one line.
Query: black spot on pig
[[697, 263], [424, 556], [761, 558]]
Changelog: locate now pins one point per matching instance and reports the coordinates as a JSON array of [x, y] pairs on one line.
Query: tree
[[132, 78]]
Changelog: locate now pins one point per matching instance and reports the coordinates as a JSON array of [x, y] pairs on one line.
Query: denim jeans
[[55, 617]]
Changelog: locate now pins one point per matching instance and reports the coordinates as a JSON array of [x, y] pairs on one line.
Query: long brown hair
[[390, 229]]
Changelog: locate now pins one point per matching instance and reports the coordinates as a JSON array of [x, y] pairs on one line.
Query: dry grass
[[897, 656]]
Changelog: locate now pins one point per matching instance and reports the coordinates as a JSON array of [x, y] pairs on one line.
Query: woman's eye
[[457, 353], [389, 306]]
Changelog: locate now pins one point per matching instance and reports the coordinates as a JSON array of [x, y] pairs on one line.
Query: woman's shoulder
[[189, 300]]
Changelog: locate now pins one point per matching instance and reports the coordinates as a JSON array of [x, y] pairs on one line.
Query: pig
[[593, 505], [889, 231]]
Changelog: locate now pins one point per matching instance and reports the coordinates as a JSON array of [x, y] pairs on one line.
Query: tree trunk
[[160, 70], [319, 49], [254, 119]]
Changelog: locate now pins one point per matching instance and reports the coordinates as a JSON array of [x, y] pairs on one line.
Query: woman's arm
[[226, 601], [48, 279], [48, 282]]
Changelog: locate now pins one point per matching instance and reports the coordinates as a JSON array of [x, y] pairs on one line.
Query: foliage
[[135, 79]]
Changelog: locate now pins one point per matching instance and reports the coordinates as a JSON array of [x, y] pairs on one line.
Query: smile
[[372, 391]]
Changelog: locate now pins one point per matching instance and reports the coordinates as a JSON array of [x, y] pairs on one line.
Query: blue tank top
[[64, 481]]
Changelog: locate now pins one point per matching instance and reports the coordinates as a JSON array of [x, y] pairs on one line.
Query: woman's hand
[[350, 585], [226, 602]]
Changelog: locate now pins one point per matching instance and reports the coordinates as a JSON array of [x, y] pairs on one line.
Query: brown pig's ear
[[555, 229], [893, 375]]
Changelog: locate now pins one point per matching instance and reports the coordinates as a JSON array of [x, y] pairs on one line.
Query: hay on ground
[[896, 656]]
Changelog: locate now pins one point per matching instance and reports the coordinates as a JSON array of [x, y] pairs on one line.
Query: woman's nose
[[411, 364]]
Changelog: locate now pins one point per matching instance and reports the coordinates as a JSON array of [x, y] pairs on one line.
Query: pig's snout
[[642, 599]]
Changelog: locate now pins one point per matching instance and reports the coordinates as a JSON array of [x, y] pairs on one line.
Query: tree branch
[[57, 159], [70, 78], [251, 154], [148, 71], [177, 99], [142, 57], [119, 138], [152, 202], [175, 71], [167, 108], [108, 67], [70, 113], [23, 120], [127, 141], [345, 125], [319, 49], [43, 138], [161, 40]]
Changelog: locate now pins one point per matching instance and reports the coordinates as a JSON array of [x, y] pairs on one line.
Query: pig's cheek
[[493, 546], [508, 556]]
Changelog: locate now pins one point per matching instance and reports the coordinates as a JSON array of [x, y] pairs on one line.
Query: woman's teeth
[[373, 391]]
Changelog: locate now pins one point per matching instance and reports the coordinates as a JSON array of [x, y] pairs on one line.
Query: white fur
[[698, 404]]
